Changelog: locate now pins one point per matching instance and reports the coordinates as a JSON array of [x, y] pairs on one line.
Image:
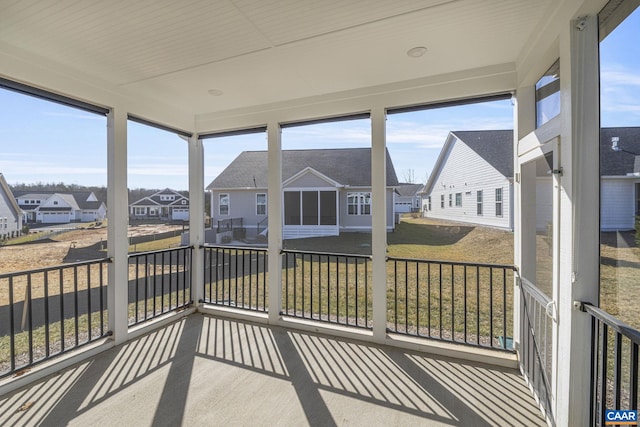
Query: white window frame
[[258, 205], [458, 200], [499, 204], [362, 203], [479, 203], [228, 204]]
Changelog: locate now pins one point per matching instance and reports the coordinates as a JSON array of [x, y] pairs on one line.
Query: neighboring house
[[10, 212], [53, 207], [166, 204], [408, 198], [472, 180], [620, 178], [325, 191]]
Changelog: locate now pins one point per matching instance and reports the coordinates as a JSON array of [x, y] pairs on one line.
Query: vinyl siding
[[617, 205], [467, 173]]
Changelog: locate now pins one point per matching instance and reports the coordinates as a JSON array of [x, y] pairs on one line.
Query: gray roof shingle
[[624, 161], [348, 166], [494, 146]]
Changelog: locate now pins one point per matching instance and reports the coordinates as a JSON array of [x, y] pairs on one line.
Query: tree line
[[99, 191]]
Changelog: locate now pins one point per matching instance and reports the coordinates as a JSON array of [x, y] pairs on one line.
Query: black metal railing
[[49, 311], [327, 287], [614, 365], [460, 302], [159, 282], [536, 342], [235, 277], [229, 224]]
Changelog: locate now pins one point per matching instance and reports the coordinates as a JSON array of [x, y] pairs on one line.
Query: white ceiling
[[262, 51]]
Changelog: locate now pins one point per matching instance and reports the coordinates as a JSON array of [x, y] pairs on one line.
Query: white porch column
[[118, 221], [379, 222], [274, 281], [579, 216], [524, 210], [196, 216]]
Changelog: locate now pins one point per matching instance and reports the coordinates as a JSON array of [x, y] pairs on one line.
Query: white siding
[[467, 173], [617, 200]]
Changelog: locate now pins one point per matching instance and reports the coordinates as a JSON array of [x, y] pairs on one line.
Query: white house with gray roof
[[472, 180], [165, 204], [10, 212], [408, 197], [52, 207], [325, 191]]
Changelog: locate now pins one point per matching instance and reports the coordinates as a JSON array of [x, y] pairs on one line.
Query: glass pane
[[548, 95], [291, 208], [544, 224], [309, 208], [328, 208]]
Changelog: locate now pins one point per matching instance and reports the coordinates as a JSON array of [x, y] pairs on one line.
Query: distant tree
[[409, 176]]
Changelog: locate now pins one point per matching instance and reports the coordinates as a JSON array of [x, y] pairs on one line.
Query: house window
[[55, 202], [223, 205], [184, 202], [458, 199], [442, 201], [498, 201], [359, 203], [429, 203], [261, 204], [450, 200], [548, 95], [479, 202], [139, 211]]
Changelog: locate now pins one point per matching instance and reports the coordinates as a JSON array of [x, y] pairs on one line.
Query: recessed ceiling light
[[416, 52], [215, 92]]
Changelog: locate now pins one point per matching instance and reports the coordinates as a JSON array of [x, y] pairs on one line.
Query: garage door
[[55, 217], [180, 214]]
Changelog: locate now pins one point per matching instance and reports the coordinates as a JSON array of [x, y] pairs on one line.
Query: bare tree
[[409, 176]]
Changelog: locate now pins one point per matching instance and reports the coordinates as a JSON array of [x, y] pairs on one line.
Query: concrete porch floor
[[209, 371]]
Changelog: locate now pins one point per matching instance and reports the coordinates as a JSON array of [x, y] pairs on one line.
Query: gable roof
[[11, 200], [348, 166], [76, 199], [494, 146], [627, 159], [155, 199], [408, 190]]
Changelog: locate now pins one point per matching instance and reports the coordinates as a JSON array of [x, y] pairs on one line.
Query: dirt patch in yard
[[69, 246]]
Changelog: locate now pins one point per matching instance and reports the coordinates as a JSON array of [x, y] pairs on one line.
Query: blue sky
[[46, 142]]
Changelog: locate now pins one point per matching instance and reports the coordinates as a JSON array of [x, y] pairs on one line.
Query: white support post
[[196, 217], [118, 222], [579, 216], [523, 210], [274, 281], [379, 222]]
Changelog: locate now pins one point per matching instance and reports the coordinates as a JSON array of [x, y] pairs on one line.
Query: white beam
[[118, 221], [196, 216], [579, 216], [274, 206], [379, 222]]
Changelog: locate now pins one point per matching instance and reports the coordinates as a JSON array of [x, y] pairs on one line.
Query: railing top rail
[[55, 267], [461, 263], [612, 322], [177, 248], [536, 293], [237, 248], [334, 254]]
